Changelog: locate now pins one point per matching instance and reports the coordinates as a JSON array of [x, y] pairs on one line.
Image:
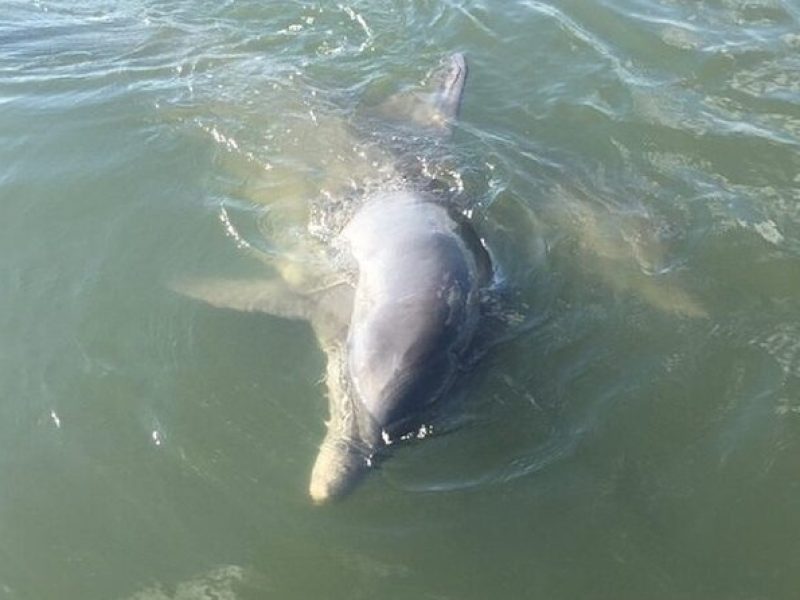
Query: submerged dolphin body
[[396, 338]]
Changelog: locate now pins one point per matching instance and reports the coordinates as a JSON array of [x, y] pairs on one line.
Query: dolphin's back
[[415, 309]]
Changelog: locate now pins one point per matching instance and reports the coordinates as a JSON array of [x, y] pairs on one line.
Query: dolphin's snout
[[338, 468]]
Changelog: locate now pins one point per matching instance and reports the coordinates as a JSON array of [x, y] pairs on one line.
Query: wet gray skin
[[415, 312]]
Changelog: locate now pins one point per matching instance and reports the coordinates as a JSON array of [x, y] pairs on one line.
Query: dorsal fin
[[450, 88], [437, 107]]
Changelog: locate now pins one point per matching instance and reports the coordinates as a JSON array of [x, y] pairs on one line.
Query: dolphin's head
[[339, 466]]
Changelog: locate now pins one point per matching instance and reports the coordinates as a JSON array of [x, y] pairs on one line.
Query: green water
[[632, 164]]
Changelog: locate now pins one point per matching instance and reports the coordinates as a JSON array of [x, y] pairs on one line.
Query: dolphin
[[398, 331], [415, 313]]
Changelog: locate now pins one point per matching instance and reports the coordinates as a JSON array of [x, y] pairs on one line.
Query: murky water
[[634, 167]]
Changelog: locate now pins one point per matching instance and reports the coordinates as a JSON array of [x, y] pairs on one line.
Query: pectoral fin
[[271, 296], [328, 308]]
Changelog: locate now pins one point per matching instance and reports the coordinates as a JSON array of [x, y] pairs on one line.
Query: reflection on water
[[220, 584]]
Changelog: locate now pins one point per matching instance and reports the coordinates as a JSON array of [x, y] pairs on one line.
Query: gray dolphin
[[415, 313], [396, 334]]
